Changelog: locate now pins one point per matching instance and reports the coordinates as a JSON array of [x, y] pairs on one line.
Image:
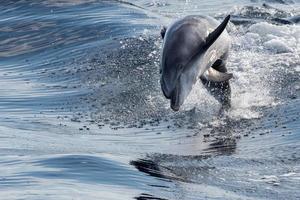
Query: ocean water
[[82, 115]]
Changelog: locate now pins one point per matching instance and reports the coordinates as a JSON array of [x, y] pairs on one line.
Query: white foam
[[277, 46], [198, 97], [252, 61], [264, 28], [277, 39]]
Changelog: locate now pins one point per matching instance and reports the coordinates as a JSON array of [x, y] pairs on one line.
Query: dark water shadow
[[182, 168], [145, 196], [89, 169]]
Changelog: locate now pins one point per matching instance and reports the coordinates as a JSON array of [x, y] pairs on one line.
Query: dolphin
[[194, 47]]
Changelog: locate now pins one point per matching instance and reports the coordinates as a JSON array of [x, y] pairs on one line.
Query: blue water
[[82, 115]]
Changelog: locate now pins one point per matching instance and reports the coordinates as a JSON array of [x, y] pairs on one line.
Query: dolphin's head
[[177, 76], [183, 87], [177, 84]]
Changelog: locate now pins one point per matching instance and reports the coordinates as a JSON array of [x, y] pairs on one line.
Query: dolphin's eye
[[180, 67]]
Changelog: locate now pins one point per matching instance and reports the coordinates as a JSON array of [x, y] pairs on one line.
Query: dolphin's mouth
[[175, 98], [165, 89], [175, 95], [164, 92]]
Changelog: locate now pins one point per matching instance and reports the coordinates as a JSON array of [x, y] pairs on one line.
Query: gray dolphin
[[194, 47]]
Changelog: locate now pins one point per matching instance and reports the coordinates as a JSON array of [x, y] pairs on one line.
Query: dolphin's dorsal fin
[[216, 76], [213, 36]]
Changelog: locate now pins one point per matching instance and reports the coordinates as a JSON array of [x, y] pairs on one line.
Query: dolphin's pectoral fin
[[216, 76], [163, 32]]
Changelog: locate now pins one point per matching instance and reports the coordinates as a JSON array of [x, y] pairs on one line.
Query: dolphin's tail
[[220, 90]]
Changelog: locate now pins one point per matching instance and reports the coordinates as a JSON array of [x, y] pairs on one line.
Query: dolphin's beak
[[175, 108], [177, 90], [182, 89], [176, 100], [168, 83], [165, 89], [172, 94]]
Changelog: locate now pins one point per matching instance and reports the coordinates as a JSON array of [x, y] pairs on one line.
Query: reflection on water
[[86, 169], [182, 168]]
